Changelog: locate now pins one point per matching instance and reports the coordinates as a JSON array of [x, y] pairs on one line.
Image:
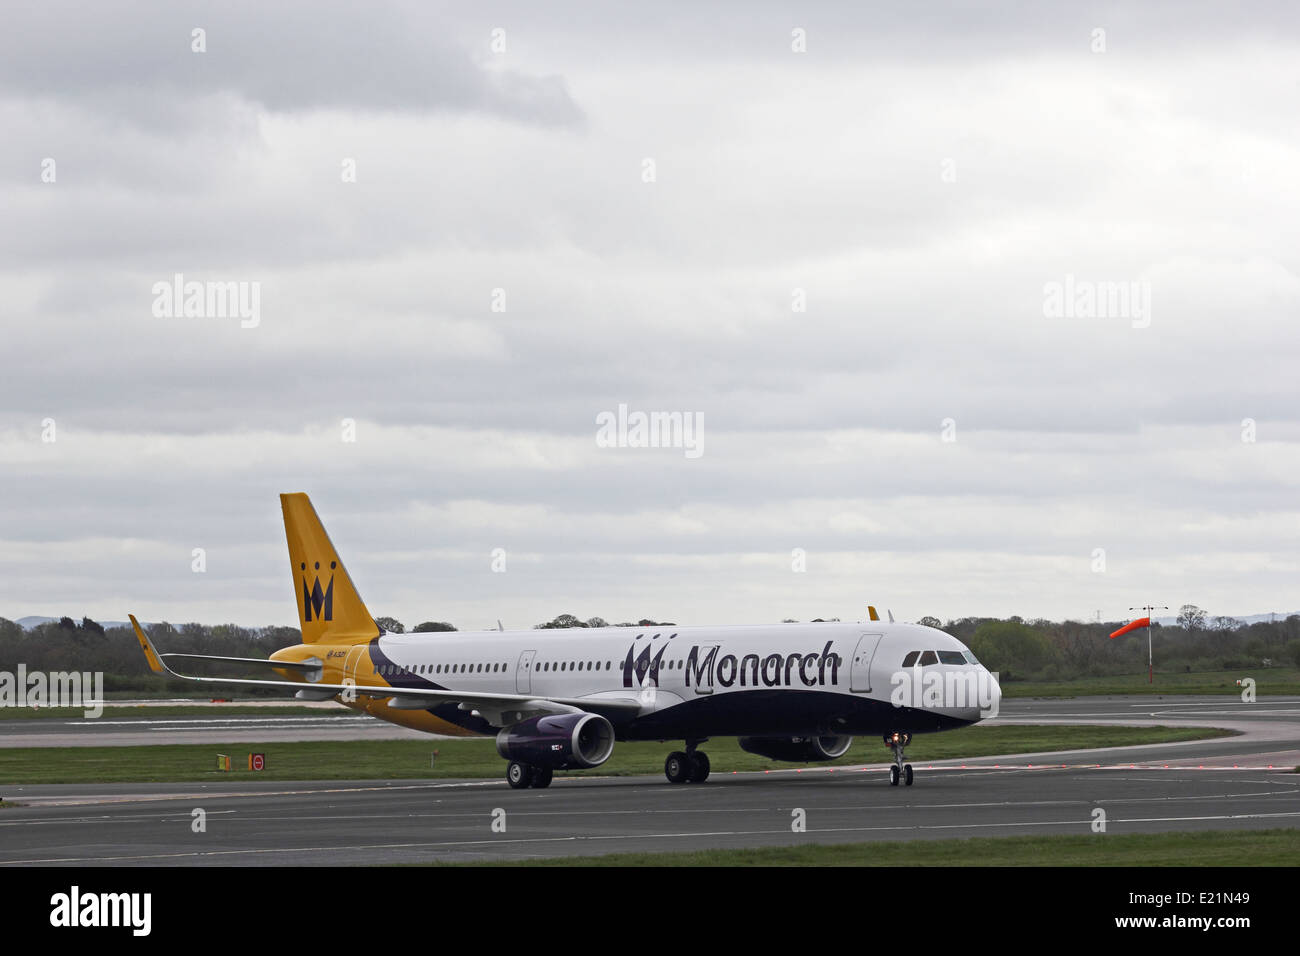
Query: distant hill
[[1240, 618], [31, 621]]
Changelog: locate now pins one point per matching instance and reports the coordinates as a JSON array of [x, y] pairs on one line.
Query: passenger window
[[929, 657], [910, 659]]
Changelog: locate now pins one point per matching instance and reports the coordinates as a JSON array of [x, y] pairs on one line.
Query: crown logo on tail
[[315, 599]]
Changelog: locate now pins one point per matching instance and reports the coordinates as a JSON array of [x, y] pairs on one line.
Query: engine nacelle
[[797, 749], [559, 741]]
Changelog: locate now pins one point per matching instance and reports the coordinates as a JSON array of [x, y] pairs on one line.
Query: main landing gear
[[689, 767], [896, 742], [521, 776]]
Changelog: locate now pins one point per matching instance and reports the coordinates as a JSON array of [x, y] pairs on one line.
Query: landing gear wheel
[[896, 742], [519, 775], [542, 777], [699, 767], [677, 768]]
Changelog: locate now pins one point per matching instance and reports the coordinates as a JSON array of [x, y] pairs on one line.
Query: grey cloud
[[925, 301], [135, 61]]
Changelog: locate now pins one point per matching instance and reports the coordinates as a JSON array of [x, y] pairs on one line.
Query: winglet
[[155, 662], [872, 611]]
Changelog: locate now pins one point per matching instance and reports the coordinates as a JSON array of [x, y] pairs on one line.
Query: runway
[[395, 822], [1201, 785], [1276, 720]]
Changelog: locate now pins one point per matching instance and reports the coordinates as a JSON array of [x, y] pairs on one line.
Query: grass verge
[[1210, 848]]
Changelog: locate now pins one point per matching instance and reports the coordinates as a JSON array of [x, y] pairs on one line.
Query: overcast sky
[[827, 235]]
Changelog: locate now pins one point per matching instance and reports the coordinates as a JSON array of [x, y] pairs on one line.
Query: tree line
[[1017, 649]]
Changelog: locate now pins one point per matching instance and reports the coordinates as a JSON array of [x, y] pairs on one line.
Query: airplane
[[559, 699]]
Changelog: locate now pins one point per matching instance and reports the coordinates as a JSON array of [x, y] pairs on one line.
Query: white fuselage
[[699, 681]]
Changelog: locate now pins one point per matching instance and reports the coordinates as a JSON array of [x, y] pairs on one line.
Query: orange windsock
[[1133, 626]]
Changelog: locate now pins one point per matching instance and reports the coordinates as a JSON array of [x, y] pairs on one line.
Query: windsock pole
[[1151, 671]]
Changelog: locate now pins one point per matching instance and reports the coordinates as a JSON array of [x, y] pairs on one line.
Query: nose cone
[[971, 694], [991, 701]]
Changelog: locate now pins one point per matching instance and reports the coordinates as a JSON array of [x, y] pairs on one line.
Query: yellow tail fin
[[329, 608]]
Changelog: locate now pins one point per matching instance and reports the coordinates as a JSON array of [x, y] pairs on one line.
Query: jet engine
[[560, 741], [797, 749]]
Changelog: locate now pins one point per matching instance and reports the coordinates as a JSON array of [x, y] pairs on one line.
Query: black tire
[[893, 775], [542, 777], [907, 774], [699, 767], [519, 775], [677, 768]]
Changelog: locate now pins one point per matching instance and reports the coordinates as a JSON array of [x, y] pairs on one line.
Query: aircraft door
[[356, 654], [524, 673], [700, 667], [860, 667]]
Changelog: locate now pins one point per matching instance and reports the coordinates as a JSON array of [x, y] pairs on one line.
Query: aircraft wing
[[498, 709], [303, 668]]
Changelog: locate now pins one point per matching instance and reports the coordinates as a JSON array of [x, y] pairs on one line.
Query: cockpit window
[[929, 657], [910, 659], [971, 657], [951, 657]]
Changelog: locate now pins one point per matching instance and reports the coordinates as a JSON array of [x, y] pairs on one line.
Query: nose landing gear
[[896, 742]]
